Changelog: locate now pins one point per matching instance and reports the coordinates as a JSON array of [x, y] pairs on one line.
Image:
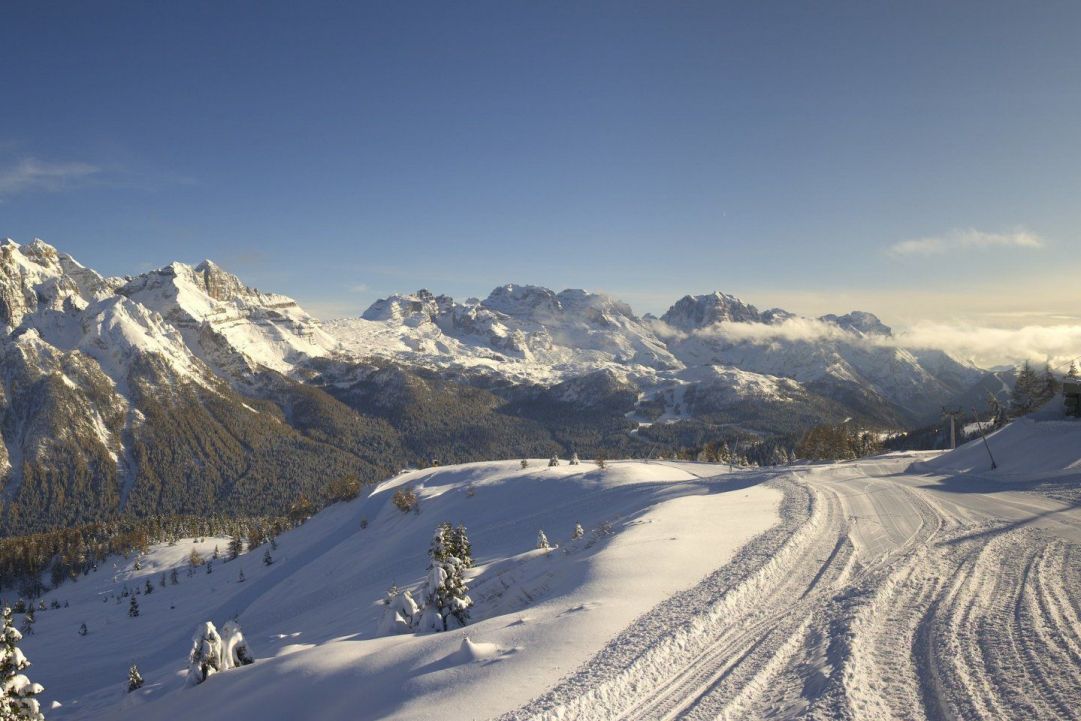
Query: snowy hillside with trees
[[313, 609]]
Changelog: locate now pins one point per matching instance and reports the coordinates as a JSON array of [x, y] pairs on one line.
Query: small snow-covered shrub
[[135, 679], [405, 499], [205, 658], [235, 652], [400, 612]]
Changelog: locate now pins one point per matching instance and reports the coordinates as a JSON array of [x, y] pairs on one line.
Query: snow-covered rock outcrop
[[234, 328]]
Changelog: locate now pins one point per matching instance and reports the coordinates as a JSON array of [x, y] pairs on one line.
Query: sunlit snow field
[[651, 529]]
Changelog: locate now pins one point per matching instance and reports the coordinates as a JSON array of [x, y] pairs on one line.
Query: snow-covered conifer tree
[[542, 541], [553, 461], [133, 608], [267, 558], [149, 587], [236, 547], [574, 459], [578, 531], [1026, 391], [1049, 385], [525, 463], [235, 652], [135, 679], [446, 595], [17, 702], [205, 658]]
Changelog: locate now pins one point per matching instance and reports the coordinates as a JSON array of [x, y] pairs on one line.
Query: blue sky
[[919, 160]]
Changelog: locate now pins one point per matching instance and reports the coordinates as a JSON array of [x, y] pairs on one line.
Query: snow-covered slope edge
[[1039, 452], [652, 530]]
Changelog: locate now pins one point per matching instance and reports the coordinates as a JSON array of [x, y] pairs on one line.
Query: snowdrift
[[1040, 452], [311, 617]]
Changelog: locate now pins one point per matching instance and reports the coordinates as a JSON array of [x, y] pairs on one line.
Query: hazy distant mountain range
[[183, 390]]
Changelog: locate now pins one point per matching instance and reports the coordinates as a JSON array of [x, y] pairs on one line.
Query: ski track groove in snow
[[871, 599], [643, 654]]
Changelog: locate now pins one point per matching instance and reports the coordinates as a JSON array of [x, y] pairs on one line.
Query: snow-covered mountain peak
[[521, 331], [692, 312], [30, 277], [221, 285], [537, 303], [421, 306], [234, 328], [231, 326], [205, 279], [522, 301], [859, 321], [41, 252]]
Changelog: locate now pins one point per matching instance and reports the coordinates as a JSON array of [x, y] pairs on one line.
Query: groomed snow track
[[875, 597]]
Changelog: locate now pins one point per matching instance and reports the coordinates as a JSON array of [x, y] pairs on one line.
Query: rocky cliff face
[[113, 396]]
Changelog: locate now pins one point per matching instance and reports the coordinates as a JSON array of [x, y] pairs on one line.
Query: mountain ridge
[[521, 334]]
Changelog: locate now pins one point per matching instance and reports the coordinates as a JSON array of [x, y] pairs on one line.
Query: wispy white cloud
[[966, 239], [30, 174], [792, 329], [989, 346], [986, 346]]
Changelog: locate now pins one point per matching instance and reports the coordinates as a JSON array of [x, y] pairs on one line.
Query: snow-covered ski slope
[[906, 586], [311, 618]]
